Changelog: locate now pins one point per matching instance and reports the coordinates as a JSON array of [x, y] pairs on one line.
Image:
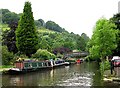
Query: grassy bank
[[5, 67]]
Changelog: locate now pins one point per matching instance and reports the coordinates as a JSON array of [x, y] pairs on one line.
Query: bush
[[43, 54], [104, 66], [6, 55], [19, 55]]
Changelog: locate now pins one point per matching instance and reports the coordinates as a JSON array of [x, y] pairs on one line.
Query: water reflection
[[77, 80], [84, 74]]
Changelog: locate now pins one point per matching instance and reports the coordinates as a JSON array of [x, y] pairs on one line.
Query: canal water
[[84, 74]]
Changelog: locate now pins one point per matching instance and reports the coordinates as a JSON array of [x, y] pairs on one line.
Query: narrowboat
[[71, 60], [31, 65]]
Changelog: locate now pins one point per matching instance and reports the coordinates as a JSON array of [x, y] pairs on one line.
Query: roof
[[115, 57]]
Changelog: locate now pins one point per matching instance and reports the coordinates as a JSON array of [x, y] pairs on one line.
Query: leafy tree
[[42, 22], [44, 44], [85, 37], [116, 19], [26, 36], [103, 39], [9, 17], [61, 50], [39, 23], [81, 44], [6, 55], [43, 55], [53, 26], [9, 38]]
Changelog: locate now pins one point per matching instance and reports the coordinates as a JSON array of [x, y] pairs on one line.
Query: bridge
[[76, 54]]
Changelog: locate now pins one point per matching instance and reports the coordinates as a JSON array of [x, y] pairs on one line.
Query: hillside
[[51, 37]]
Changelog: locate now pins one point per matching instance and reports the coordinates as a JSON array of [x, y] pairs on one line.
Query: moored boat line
[[33, 65]]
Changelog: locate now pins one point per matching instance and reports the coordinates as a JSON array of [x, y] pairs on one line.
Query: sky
[[77, 16]]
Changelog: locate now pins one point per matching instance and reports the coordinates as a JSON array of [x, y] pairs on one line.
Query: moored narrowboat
[[32, 65], [26, 66]]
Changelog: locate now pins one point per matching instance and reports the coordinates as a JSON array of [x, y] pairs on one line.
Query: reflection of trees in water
[[97, 77], [17, 81]]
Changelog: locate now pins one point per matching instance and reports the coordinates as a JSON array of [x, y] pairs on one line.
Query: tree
[[26, 35], [61, 50], [9, 17], [9, 38], [53, 26], [6, 55], [42, 22], [43, 55], [85, 37], [81, 44], [103, 39], [39, 23], [116, 19]]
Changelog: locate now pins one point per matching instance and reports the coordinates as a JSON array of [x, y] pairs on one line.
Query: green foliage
[[43, 55], [94, 52], [53, 26], [116, 19], [39, 23], [51, 40], [104, 66], [26, 36], [6, 66], [4, 27], [81, 44], [9, 39], [44, 44], [103, 40], [6, 55], [19, 55], [85, 37], [8, 17]]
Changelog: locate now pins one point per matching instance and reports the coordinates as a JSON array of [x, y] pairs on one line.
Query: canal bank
[[114, 77]]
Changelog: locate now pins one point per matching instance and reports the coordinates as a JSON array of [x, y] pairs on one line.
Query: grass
[[45, 30], [6, 66]]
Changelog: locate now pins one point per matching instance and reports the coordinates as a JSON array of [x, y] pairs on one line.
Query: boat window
[[27, 65], [40, 64], [34, 64]]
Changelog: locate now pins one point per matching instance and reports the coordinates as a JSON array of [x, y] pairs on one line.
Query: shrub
[[104, 66], [43, 54], [19, 55], [6, 55]]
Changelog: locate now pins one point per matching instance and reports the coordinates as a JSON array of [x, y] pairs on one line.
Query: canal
[[85, 74]]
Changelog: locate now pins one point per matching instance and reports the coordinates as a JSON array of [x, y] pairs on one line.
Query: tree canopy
[[53, 26], [116, 20], [26, 36], [103, 39]]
